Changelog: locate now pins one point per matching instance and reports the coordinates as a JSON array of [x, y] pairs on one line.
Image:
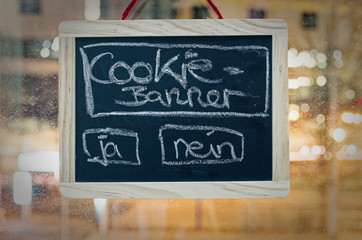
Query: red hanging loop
[[132, 4], [215, 9], [128, 9]]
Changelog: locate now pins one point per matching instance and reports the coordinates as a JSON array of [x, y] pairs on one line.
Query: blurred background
[[325, 115]]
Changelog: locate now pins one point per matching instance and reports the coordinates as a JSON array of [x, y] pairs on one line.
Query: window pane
[[30, 6], [325, 109]]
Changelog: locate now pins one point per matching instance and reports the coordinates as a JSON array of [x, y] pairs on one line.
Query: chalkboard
[[175, 109]]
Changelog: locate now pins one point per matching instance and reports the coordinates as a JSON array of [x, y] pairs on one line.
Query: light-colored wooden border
[[278, 187]]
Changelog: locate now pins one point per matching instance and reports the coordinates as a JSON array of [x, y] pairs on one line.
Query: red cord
[[128, 9], [215, 9], [132, 4]]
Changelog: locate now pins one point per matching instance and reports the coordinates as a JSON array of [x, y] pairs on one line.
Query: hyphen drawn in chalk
[[109, 142], [134, 90], [227, 147], [233, 70]]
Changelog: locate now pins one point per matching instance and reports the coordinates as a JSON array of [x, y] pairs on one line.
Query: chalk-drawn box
[[111, 148], [176, 79], [182, 145]]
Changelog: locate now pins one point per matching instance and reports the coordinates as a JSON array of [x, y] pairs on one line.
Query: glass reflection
[[324, 115]]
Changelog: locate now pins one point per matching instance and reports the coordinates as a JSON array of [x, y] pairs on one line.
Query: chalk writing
[[180, 75], [200, 145], [108, 142], [213, 98]]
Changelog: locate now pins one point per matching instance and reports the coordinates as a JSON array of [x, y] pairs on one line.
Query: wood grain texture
[[280, 109], [177, 190], [67, 109], [279, 187], [195, 27]]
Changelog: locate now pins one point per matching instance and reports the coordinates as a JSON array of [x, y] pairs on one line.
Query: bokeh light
[[293, 115], [348, 117], [339, 134], [321, 81]]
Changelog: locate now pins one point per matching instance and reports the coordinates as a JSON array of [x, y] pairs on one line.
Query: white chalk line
[[180, 114], [170, 46]]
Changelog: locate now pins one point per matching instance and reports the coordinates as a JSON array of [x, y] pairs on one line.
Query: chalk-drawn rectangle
[[181, 145], [175, 79], [109, 144]]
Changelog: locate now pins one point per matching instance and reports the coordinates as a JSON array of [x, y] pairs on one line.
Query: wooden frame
[[278, 187]]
